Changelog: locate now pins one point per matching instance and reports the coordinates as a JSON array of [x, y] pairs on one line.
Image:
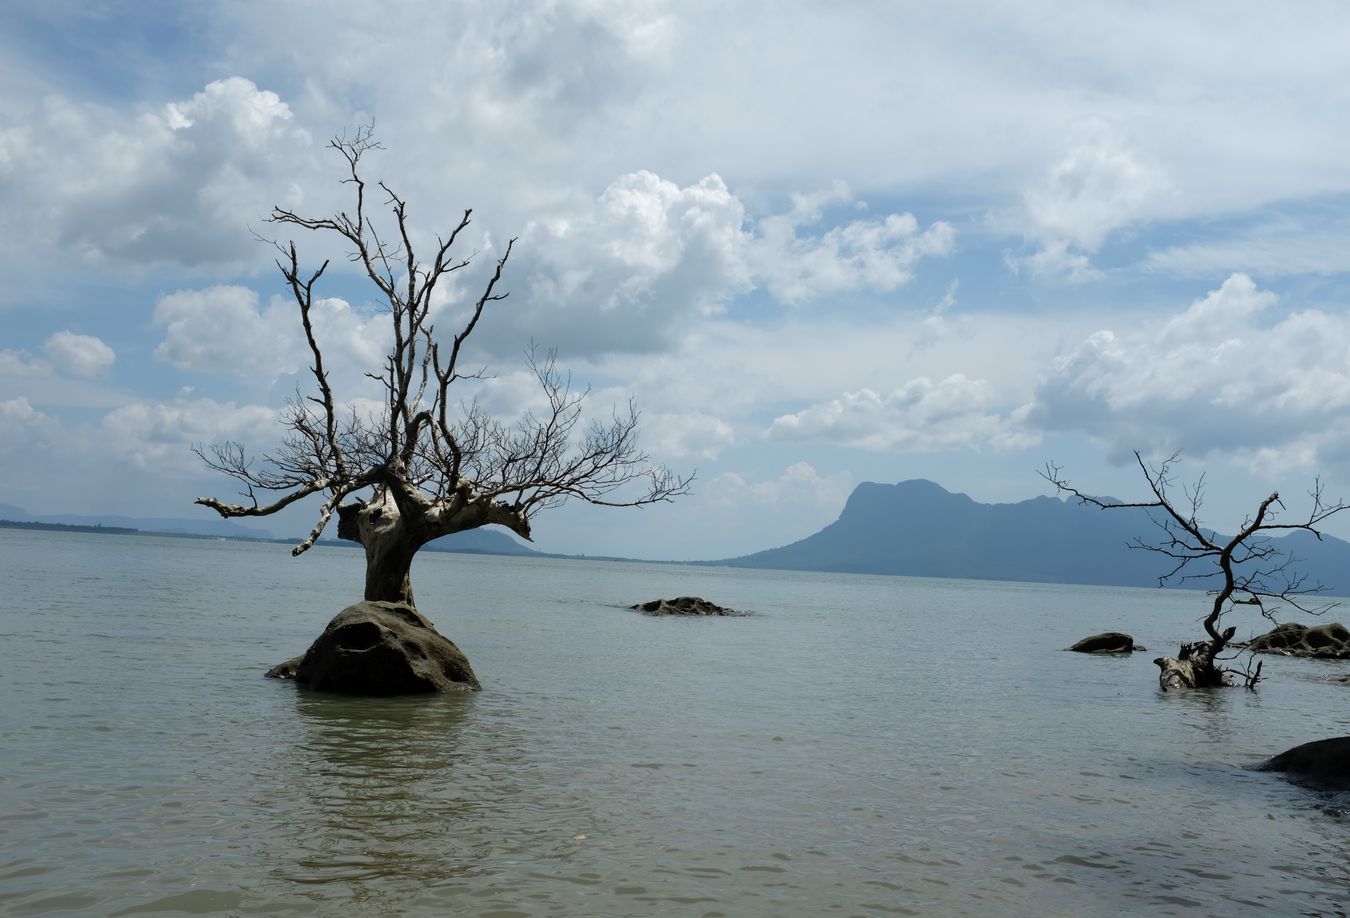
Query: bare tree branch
[[1250, 570], [429, 472]]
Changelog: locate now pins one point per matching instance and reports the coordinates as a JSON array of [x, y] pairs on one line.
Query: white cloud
[[222, 329], [80, 355], [921, 416], [180, 184], [1097, 187], [634, 267], [798, 484], [1276, 247], [877, 255], [158, 437], [1228, 374], [23, 375], [23, 428], [22, 365], [1054, 260], [643, 256], [225, 330], [692, 436]]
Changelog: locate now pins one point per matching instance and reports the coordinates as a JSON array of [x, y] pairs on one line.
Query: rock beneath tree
[[1324, 763], [683, 605], [1324, 642], [380, 648], [1107, 642]]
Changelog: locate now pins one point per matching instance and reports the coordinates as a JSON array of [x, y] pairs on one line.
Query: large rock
[[1325, 642], [380, 648], [683, 605], [1322, 763], [1107, 642]]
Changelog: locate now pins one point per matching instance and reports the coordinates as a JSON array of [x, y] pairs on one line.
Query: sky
[[818, 244]]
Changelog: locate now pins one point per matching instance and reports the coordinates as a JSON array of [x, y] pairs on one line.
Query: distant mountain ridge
[[917, 528], [474, 541], [169, 526]]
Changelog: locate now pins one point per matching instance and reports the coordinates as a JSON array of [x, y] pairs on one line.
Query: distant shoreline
[[98, 529], [70, 527]]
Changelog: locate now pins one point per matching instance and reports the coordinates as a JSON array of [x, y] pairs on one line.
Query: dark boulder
[[1323, 764], [380, 648], [683, 605], [1107, 642], [1325, 642]]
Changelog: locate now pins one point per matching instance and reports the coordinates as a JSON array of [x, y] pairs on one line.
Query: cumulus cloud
[[158, 436], [72, 376], [23, 427], [176, 185], [648, 255], [1224, 375], [877, 255], [686, 436], [1098, 186], [921, 416], [80, 355], [225, 330], [22, 365], [645, 247], [222, 329]]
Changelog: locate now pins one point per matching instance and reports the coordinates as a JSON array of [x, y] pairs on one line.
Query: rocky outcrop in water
[[1106, 642], [684, 605], [1323, 764], [1324, 642], [380, 648]]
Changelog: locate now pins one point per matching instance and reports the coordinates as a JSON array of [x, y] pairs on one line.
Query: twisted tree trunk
[[391, 540]]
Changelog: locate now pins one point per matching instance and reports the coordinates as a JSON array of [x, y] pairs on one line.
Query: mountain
[[483, 541], [203, 526], [917, 528]]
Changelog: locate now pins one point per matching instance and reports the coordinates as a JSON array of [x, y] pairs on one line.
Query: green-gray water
[[860, 746]]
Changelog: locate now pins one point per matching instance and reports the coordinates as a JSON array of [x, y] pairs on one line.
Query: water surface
[[859, 746]]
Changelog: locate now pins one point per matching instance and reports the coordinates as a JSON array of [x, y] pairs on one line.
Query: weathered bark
[[1193, 667], [1197, 665], [392, 532], [391, 540]]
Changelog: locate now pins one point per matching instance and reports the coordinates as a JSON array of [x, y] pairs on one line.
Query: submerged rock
[[684, 605], [1324, 642], [1107, 642], [1323, 763], [380, 648]]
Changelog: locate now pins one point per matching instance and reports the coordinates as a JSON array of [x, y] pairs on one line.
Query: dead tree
[[426, 465], [1247, 569]]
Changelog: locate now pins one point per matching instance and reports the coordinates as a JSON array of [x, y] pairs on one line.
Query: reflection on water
[[368, 787], [844, 750]]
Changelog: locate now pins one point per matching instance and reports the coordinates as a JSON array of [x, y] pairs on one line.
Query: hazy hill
[[476, 541], [204, 526], [917, 528], [484, 541]]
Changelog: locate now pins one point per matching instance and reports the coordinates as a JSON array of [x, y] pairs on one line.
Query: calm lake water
[[860, 746]]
